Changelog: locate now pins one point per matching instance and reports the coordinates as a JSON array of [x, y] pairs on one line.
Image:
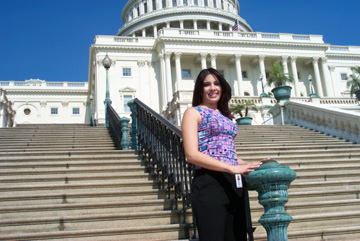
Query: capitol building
[[159, 51]]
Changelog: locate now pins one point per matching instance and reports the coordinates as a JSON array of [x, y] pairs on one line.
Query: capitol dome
[[145, 17]]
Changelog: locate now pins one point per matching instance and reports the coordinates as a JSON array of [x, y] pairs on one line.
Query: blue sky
[[50, 39]]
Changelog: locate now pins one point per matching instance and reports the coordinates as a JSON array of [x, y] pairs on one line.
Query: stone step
[[84, 222], [158, 232], [77, 196], [68, 209]]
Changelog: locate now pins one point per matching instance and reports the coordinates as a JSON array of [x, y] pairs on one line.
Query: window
[[185, 2], [126, 71], [138, 11], [76, 111], [54, 111], [174, 3], [196, 2], [145, 7], [222, 4], [214, 3], [186, 73], [343, 76], [27, 111], [154, 4], [206, 3], [246, 93], [127, 98], [244, 74], [164, 3]]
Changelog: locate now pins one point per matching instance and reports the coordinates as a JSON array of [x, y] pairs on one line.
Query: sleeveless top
[[216, 134]]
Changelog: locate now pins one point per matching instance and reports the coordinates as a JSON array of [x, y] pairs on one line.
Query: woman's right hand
[[245, 168]]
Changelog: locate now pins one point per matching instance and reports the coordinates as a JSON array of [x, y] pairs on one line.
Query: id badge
[[238, 181]]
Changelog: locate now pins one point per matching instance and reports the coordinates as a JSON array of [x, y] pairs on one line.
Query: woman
[[208, 135]]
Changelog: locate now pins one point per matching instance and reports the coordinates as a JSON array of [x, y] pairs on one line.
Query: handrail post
[[124, 122], [134, 126], [271, 180]]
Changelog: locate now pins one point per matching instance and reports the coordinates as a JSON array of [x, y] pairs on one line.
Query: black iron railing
[[160, 143]]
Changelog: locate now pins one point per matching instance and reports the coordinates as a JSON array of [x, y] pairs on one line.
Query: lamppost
[[263, 94], [91, 110], [312, 94], [107, 63]]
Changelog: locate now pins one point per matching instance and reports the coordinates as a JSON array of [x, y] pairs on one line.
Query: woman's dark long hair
[[223, 104]]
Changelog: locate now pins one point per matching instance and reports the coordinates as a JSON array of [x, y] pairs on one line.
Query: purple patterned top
[[216, 135]]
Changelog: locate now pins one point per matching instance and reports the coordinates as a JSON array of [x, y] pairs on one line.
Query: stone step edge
[[72, 206], [88, 218], [96, 232], [63, 195], [8, 187], [316, 232]]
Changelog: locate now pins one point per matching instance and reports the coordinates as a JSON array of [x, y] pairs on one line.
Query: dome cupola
[[145, 17]]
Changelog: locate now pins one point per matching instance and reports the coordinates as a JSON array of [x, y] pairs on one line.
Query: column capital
[[293, 58], [167, 55], [261, 57], [141, 63], [324, 59], [284, 57], [203, 55], [315, 60], [177, 55], [160, 56], [213, 55], [332, 68], [237, 56]]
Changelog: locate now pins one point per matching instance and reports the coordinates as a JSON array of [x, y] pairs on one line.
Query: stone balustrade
[[329, 120]]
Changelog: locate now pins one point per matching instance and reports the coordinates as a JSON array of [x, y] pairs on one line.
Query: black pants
[[219, 212]]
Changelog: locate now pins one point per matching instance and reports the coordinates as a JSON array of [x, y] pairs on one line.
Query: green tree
[[353, 83], [244, 106], [276, 76]]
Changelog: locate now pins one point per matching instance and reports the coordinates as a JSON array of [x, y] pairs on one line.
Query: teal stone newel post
[[124, 122], [271, 180], [133, 131]]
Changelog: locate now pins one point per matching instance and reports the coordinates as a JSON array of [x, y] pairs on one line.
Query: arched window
[[246, 93]]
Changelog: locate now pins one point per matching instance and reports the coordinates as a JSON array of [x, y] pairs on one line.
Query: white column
[[220, 26], [195, 24], [213, 60], [181, 24], [332, 72], [141, 6], [208, 24], [284, 60], [317, 77], [141, 65], [262, 69], [327, 78], [203, 60], [150, 6], [178, 70], [155, 31], [295, 75], [162, 80], [239, 74], [144, 32], [169, 90], [135, 13]]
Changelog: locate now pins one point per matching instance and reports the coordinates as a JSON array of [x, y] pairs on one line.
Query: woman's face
[[211, 90]]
